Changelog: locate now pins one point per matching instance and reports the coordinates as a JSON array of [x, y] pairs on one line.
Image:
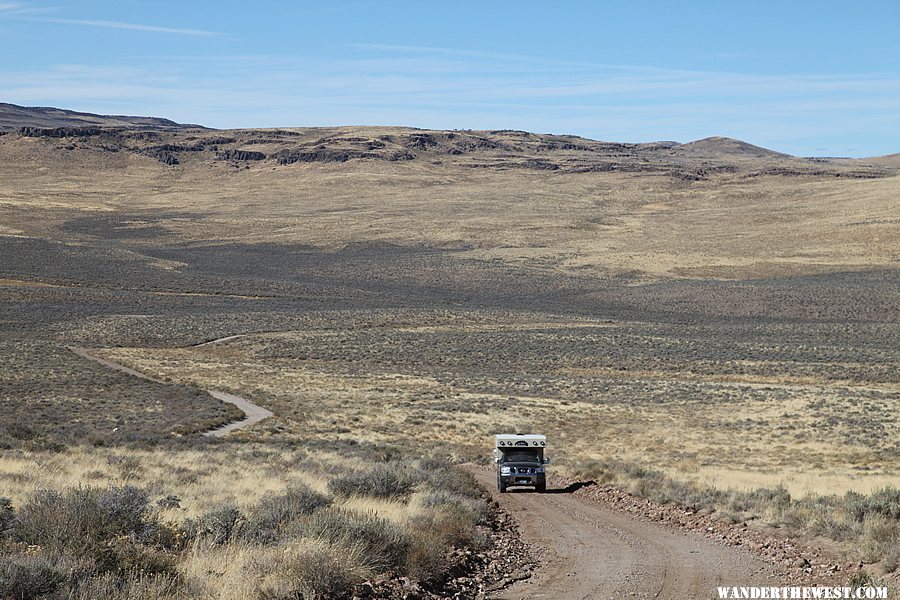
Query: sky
[[817, 78]]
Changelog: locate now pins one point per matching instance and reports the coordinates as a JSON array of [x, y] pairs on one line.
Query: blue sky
[[809, 78]]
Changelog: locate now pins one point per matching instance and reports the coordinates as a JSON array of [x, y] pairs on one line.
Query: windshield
[[522, 456]]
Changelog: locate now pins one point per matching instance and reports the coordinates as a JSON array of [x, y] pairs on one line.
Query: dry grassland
[[729, 320], [735, 432]]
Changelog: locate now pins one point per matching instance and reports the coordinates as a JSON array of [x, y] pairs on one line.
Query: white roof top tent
[[520, 440]]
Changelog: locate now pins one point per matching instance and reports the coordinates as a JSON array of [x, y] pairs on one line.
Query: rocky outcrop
[[325, 155], [335, 155], [401, 155], [59, 132], [240, 155], [215, 141], [420, 141], [859, 173], [539, 165], [470, 143], [163, 156], [177, 148]]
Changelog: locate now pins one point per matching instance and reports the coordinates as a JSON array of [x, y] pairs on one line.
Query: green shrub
[[275, 511], [469, 511], [134, 586], [7, 516], [884, 502], [880, 534], [451, 521], [863, 578], [452, 525], [427, 559], [125, 555], [216, 526], [391, 480], [443, 476], [83, 517], [385, 544], [110, 527], [27, 577], [312, 571], [892, 559]]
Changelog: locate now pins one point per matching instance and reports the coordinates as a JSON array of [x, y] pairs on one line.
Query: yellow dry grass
[[781, 443], [202, 479], [242, 571]]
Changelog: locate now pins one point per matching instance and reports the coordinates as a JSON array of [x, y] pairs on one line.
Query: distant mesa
[[171, 143], [35, 118]]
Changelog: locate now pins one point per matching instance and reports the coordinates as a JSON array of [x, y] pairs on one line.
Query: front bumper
[[534, 480]]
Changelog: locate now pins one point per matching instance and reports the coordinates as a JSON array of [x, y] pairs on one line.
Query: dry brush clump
[[380, 481], [400, 518], [867, 525], [60, 544]]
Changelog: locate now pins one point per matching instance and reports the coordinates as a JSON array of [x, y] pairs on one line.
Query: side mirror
[[497, 460], [546, 460]]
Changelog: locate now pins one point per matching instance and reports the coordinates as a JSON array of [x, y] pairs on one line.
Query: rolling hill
[[14, 117]]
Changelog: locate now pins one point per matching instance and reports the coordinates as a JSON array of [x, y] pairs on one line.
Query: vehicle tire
[[501, 487], [541, 487]]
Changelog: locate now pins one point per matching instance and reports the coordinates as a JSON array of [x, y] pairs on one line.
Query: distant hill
[[724, 146], [13, 116], [174, 144], [888, 160], [600, 210]]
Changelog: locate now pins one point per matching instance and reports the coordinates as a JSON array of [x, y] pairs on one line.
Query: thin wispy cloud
[[438, 50], [132, 26], [472, 54], [12, 9]]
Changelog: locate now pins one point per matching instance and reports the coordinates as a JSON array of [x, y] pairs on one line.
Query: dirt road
[[588, 551], [252, 412]]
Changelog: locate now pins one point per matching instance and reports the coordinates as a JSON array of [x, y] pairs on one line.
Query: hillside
[[14, 117], [723, 146], [888, 160], [559, 204]]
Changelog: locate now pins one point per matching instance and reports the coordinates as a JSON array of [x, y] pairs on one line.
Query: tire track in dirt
[[589, 551]]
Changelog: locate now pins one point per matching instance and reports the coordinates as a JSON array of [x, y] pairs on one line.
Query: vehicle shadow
[[569, 489]]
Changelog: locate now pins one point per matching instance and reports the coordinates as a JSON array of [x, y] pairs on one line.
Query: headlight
[[539, 470], [504, 470]]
